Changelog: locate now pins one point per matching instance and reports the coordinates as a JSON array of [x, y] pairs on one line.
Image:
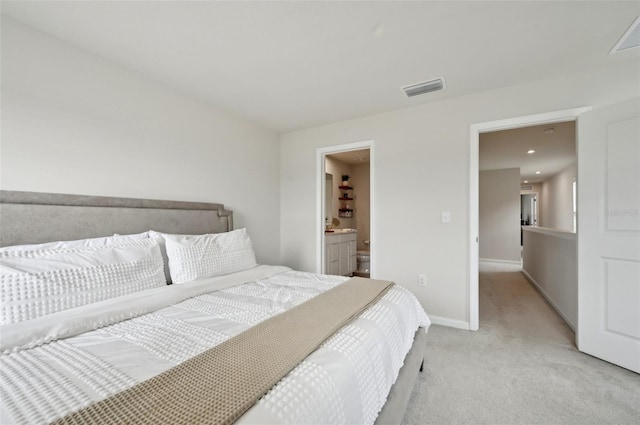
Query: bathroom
[[347, 213]]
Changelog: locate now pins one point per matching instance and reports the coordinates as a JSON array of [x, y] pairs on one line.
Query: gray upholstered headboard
[[32, 217]]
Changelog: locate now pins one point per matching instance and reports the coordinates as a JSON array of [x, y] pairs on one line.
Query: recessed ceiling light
[[530, 151], [526, 181], [538, 172], [549, 130]]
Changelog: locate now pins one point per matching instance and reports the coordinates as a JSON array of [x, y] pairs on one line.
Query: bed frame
[[32, 217]]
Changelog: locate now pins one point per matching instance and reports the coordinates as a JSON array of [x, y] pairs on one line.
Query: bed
[[69, 354]]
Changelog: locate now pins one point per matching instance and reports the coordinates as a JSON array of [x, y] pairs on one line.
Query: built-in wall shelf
[[345, 212]]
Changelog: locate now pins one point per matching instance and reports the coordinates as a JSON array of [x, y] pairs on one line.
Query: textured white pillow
[[201, 256], [160, 237], [35, 283], [75, 244]]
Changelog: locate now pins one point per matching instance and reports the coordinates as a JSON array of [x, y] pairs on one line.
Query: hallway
[[520, 367], [510, 305]]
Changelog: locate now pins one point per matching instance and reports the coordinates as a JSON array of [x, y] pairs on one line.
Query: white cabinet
[[331, 257], [340, 253], [353, 246]]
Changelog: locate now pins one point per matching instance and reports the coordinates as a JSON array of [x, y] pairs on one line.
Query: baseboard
[[496, 261], [548, 298], [458, 324]]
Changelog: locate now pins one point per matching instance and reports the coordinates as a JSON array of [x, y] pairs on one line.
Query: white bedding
[[345, 381]]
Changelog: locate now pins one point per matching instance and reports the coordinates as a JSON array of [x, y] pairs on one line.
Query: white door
[[609, 234]]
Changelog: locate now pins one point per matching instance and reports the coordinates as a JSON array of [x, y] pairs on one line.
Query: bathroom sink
[[341, 231]]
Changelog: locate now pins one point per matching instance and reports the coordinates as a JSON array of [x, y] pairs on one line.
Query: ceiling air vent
[[424, 87], [526, 187]]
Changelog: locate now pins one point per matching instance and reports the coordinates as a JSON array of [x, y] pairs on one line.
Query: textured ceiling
[[292, 65]]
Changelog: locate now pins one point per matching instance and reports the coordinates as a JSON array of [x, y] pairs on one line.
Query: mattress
[[92, 352]]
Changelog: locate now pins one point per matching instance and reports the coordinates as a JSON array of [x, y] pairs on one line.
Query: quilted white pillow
[[75, 244], [161, 238], [36, 282], [201, 256]]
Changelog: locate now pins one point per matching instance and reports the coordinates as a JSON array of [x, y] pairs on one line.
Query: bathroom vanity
[[340, 252]]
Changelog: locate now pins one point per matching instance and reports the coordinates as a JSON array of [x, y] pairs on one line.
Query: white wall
[[75, 123], [557, 202], [549, 262], [360, 180], [422, 168], [499, 207]]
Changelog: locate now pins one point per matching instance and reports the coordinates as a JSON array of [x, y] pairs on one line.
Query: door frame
[[537, 199], [321, 153], [474, 199]]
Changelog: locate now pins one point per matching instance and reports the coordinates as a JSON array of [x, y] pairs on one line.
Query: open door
[[609, 234]]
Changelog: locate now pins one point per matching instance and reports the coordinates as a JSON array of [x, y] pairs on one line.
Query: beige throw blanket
[[220, 384]]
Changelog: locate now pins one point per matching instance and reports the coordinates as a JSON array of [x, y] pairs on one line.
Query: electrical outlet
[[422, 280]]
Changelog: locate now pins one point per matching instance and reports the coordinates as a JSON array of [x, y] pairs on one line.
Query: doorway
[[528, 212], [328, 216], [474, 167], [528, 209]]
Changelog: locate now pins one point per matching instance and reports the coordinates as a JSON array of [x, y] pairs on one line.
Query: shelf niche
[[345, 212]]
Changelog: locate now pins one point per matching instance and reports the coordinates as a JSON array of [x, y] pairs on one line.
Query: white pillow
[[201, 256], [35, 283], [160, 237], [75, 244]]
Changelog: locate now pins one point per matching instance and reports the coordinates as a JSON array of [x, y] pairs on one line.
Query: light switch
[[446, 217]]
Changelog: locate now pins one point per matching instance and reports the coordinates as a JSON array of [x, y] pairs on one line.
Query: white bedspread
[[345, 381]]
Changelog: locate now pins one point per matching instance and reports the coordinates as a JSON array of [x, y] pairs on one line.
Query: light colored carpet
[[521, 367]]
